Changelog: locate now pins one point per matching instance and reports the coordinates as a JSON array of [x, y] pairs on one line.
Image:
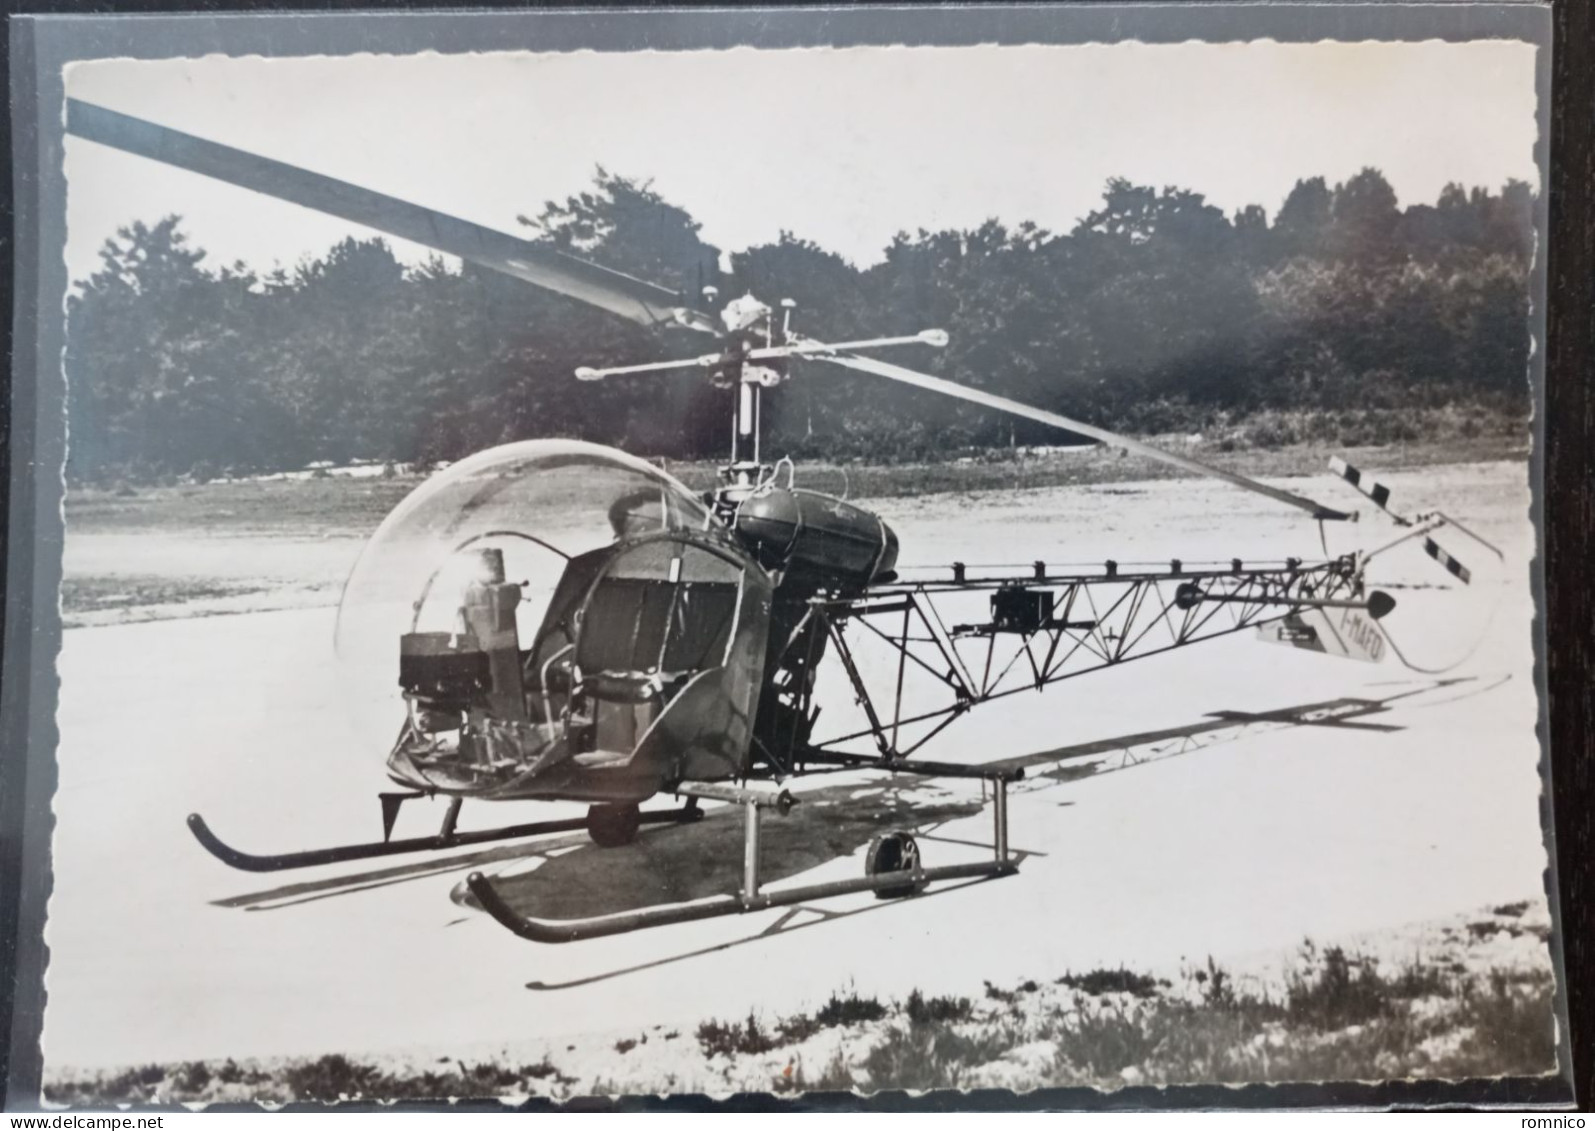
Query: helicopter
[[554, 620]]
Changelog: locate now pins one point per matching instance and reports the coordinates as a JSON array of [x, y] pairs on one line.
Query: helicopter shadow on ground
[[687, 862], [1091, 759], [309, 891], [668, 862], [1351, 714], [674, 862], [794, 918]]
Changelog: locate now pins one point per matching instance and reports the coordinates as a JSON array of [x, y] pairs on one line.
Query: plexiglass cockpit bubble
[[539, 504]]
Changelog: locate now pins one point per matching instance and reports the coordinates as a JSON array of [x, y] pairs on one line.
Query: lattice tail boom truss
[[1042, 628]]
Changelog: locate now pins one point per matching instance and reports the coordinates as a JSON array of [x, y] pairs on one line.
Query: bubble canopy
[[539, 503]]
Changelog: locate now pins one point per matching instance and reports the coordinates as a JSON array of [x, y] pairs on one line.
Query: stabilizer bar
[[249, 862]]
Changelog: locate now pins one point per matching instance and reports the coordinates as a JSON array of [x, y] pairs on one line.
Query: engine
[[816, 540]]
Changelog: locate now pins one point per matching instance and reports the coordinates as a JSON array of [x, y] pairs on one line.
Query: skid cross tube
[[780, 799], [751, 897], [449, 838]]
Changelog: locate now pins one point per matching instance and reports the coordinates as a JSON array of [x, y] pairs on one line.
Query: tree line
[[1155, 311]]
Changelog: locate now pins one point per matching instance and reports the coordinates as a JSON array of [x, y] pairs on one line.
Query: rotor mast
[[752, 371]]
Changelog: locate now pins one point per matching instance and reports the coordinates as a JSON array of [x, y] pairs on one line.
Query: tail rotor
[[1449, 629]]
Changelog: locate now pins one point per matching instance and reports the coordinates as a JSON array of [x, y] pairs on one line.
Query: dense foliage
[[1157, 311]]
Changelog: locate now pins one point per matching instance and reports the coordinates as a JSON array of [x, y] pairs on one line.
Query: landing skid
[[902, 881], [448, 838]]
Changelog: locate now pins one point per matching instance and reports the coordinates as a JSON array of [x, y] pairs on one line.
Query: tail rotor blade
[[1455, 568], [1421, 524], [1378, 493], [534, 263], [1003, 404]]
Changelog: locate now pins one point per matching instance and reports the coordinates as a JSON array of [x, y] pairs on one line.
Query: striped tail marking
[[1378, 492], [1453, 567]]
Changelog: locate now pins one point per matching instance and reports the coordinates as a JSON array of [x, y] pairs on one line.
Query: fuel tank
[[817, 539]]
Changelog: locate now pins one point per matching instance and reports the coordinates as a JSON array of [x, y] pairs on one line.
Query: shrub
[[1337, 991], [997, 993], [1120, 981], [192, 1078], [1513, 1027], [922, 1057], [230, 1073], [849, 1010], [1218, 989], [722, 1039], [922, 1010], [544, 1070], [334, 1077], [1101, 1043]]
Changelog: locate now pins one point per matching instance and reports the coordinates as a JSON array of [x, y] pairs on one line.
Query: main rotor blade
[[1003, 404], [614, 291]]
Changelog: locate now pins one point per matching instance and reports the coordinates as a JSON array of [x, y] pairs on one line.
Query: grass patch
[[924, 1057], [1335, 1015], [751, 1037], [327, 1079], [1506, 1027], [1339, 1018], [335, 507], [333, 1078], [130, 1085], [1334, 990], [100, 594], [1266, 444], [333, 516]]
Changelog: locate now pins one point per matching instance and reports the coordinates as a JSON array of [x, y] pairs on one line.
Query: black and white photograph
[[943, 562]]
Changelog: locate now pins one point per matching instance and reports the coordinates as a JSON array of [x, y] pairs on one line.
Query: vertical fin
[[390, 810]]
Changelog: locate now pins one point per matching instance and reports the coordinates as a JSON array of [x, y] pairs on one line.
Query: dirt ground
[[1229, 801]]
